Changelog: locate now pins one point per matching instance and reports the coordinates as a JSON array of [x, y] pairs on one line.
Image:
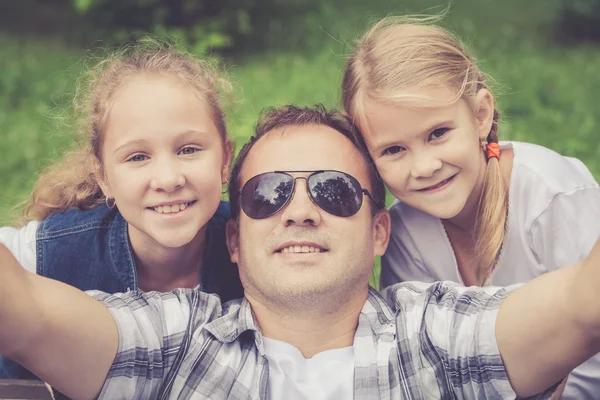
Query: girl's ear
[[484, 113], [101, 178], [227, 159]]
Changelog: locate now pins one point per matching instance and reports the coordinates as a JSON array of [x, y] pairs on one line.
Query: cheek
[[394, 175], [254, 239], [126, 183], [464, 151], [359, 240], [206, 174]]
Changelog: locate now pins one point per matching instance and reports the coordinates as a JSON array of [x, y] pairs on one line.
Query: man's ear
[[101, 178], [381, 230], [227, 158], [232, 236], [484, 112]]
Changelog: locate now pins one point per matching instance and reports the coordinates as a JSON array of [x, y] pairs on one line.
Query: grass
[[548, 92]]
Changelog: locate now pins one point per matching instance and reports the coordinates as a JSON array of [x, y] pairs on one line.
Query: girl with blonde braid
[[469, 208]]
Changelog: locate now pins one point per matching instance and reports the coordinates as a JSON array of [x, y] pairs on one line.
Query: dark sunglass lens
[[264, 195], [335, 192]]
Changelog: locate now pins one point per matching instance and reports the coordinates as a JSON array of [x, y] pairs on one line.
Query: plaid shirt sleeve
[[450, 339], [153, 328]]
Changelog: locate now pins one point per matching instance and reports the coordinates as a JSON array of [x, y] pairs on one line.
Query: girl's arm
[[61, 334], [550, 325]]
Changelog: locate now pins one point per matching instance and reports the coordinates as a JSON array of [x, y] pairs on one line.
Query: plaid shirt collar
[[375, 318]]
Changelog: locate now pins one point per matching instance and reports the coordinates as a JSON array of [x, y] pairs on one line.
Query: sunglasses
[[336, 192]]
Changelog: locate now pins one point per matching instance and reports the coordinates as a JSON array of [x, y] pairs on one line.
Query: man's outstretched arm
[[551, 325], [61, 334]]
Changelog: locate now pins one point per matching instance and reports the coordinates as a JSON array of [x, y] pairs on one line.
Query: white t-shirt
[[553, 222], [328, 375], [21, 243]]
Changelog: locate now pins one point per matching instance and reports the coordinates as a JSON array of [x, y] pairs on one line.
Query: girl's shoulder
[[75, 220], [539, 168], [539, 177]]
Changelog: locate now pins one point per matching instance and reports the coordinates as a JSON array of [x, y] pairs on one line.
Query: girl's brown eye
[[438, 133], [393, 150]]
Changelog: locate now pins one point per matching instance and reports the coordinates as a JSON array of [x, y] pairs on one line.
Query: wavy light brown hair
[[409, 52], [72, 181]]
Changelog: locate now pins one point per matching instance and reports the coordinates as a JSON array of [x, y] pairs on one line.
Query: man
[[309, 221]]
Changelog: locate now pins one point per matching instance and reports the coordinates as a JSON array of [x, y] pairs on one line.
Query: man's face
[[346, 246]]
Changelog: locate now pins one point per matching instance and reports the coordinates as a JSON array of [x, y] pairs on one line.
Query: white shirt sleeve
[[22, 243], [566, 230]]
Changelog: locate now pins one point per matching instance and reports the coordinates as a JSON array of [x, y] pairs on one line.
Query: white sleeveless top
[[553, 222]]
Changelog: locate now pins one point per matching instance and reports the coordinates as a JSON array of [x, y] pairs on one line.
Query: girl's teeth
[[171, 209]]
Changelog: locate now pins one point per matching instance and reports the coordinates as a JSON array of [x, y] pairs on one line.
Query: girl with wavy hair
[[138, 206]]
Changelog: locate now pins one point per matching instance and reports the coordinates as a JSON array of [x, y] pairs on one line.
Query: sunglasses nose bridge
[[298, 209], [294, 187]]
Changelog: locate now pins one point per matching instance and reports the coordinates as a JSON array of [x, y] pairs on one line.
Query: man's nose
[[301, 210]]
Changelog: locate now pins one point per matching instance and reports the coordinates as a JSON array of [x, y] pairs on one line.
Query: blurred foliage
[[579, 20], [200, 24], [281, 51]]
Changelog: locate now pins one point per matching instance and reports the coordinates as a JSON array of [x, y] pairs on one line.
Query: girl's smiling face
[[430, 156], [164, 160]]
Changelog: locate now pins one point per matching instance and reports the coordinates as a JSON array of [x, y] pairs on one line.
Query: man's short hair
[[290, 115]]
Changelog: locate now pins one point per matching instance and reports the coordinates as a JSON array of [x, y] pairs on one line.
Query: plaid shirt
[[438, 344]]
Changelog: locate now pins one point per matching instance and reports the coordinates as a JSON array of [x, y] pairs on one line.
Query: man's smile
[[301, 247]]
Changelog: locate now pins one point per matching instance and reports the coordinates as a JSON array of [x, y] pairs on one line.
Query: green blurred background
[[544, 55]]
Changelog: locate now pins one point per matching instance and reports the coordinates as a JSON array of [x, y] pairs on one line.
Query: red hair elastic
[[493, 150]]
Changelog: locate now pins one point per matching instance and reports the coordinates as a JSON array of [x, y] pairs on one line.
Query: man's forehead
[[306, 148]]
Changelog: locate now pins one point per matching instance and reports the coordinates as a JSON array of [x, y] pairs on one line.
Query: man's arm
[[551, 325], [61, 334]]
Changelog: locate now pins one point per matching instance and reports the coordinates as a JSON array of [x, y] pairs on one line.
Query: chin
[[441, 211], [174, 241], [305, 293]]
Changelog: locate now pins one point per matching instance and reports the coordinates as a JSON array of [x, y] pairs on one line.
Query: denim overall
[[90, 250]]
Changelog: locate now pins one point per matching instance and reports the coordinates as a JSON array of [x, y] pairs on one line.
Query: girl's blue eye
[[438, 133], [138, 158], [188, 150], [392, 150]]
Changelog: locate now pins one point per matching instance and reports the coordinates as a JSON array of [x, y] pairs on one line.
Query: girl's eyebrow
[[130, 143], [190, 134]]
